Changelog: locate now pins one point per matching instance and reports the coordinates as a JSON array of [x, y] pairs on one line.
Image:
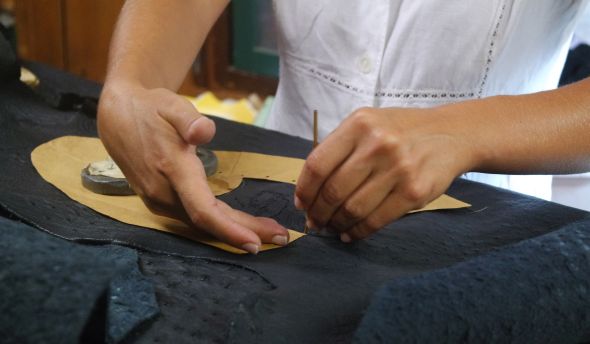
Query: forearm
[[155, 42], [546, 132]]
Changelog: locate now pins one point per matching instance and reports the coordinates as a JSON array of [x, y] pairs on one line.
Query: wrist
[[461, 123], [121, 86], [114, 98]]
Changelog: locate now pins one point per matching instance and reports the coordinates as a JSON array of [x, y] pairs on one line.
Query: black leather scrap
[[315, 290], [53, 291], [535, 291], [65, 91], [131, 303]]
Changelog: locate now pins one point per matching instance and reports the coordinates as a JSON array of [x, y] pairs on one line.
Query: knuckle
[[373, 224], [389, 144], [196, 217], [362, 118], [415, 192], [301, 194], [155, 197], [313, 166], [165, 165], [405, 168], [385, 141], [201, 217], [384, 144], [378, 136], [150, 192], [352, 211], [387, 149], [361, 113], [331, 194]]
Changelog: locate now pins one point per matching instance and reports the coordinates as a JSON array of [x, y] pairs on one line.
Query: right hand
[[151, 134]]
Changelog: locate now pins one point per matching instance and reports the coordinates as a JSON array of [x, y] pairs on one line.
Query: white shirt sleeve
[[582, 32]]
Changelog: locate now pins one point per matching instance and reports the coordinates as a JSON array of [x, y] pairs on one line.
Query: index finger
[[203, 209], [321, 162]]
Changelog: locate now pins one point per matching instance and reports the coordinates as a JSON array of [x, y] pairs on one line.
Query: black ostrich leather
[[315, 290]]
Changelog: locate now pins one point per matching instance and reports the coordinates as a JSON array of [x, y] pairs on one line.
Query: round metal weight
[[105, 185], [209, 160], [120, 187]]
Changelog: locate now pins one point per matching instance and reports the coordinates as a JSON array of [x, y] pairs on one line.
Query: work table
[[315, 290]]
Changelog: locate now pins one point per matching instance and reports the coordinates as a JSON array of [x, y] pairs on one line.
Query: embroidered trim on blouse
[[491, 51], [393, 94]]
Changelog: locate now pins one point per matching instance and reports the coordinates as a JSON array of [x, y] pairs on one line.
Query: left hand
[[378, 165]]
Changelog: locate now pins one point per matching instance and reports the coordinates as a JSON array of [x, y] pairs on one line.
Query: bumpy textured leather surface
[[54, 291], [536, 291], [313, 291]]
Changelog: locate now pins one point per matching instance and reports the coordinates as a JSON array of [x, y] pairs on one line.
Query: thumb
[[193, 127]]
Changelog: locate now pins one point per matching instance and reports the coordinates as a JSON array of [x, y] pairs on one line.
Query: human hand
[[378, 165], [151, 134]]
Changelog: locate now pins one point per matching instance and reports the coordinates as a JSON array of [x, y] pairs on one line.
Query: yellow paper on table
[[240, 110], [61, 160]]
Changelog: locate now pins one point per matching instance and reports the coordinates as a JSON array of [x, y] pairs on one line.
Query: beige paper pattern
[[235, 166], [61, 160]]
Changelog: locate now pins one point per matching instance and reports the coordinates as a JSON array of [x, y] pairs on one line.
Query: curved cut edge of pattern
[[60, 161]]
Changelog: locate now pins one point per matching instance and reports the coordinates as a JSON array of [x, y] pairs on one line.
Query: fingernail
[[280, 240], [197, 122], [344, 237], [251, 248], [298, 203]]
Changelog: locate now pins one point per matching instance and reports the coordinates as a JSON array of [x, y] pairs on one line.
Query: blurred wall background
[[238, 58]]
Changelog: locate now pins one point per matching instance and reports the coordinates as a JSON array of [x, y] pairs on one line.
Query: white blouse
[[339, 55]]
